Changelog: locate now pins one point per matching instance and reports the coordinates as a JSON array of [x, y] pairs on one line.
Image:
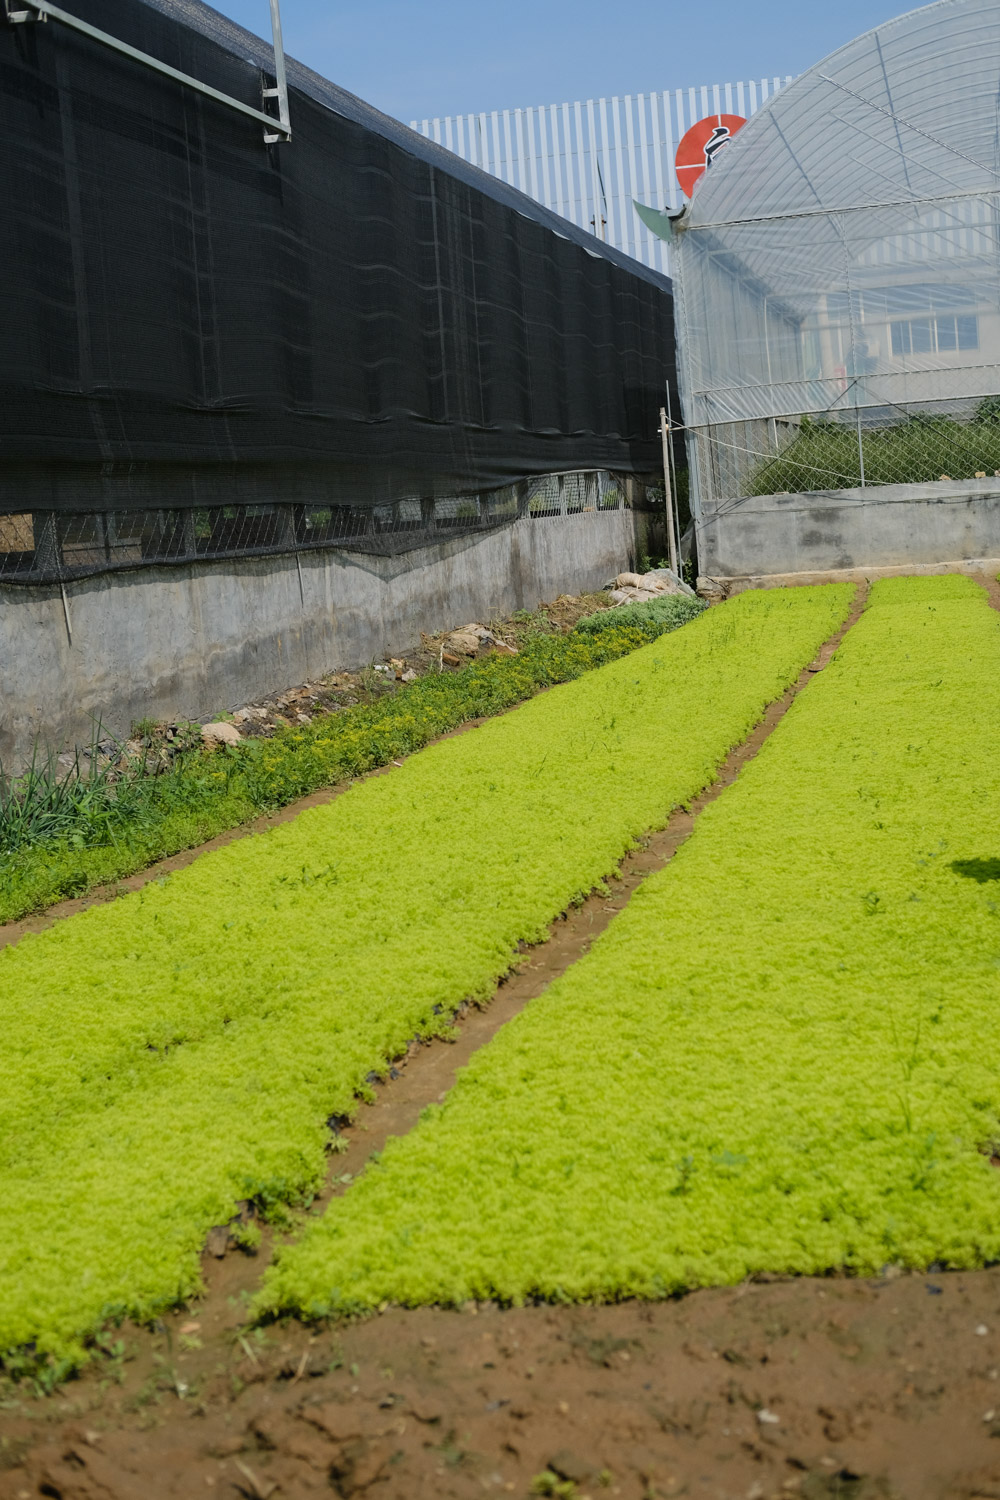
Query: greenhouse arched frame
[[838, 308]]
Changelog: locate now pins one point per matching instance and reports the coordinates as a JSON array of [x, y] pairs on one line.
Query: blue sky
[[443, 57]]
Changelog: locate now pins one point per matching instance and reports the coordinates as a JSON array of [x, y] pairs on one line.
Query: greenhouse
[[838, 304], [222, 341], [281, 381]]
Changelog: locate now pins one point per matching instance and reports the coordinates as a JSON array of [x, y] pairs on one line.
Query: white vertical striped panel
[[588, 160], [557, 159]]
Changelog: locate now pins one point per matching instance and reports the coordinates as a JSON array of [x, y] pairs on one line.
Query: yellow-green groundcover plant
[[63, 839], [181, 1049], [783, 1056]]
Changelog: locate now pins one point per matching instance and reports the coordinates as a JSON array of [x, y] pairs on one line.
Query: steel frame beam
[[276, 128]]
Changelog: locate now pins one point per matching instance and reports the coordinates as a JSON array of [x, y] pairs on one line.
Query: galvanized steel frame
[[276, 128]]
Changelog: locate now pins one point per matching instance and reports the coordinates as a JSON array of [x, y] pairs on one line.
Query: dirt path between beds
[[800, 1387]]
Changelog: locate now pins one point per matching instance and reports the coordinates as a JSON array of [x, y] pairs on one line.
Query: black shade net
[[339, 326]]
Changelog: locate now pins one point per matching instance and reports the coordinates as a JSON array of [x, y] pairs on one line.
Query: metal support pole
[[65, 605], [668, 496], [45, 532], [861, 450], [280, 90], [673, 479]]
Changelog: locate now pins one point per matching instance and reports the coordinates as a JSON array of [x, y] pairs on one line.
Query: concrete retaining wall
[[885, 526], [193, 640]]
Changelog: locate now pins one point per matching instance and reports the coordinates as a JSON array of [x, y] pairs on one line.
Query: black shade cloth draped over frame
[[189, 317]]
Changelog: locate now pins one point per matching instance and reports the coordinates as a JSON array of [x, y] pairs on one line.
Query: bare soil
[[860, 1389], [814, 1388]]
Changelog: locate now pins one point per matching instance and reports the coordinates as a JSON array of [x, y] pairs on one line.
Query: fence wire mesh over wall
[[838, 273], [51, 546], [210, 345]]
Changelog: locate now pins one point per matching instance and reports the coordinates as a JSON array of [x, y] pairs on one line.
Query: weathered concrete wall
[[894, 525], [193, 640]]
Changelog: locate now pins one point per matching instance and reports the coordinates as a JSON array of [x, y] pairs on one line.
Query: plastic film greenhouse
[[838, 283]]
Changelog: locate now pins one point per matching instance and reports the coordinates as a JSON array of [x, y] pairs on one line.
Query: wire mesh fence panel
[[44, 546], [860, 448]]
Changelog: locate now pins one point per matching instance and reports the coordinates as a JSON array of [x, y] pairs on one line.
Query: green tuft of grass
[[670, 610], [780, 1057], [179, 1051]]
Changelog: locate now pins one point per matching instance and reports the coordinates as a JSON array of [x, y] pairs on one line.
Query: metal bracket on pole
[[280, 90], [15, 16], [276, 127]]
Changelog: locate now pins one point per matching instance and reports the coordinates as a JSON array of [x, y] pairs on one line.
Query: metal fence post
[[668, 494], [43, 525]]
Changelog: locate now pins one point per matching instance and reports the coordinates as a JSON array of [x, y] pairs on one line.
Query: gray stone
[[220, 734], [572, 1466]]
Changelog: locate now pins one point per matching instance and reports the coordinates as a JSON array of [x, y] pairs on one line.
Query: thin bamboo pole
[[668, 494]]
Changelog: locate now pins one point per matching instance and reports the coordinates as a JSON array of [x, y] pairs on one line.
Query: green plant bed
[[824, 455], [167, 1055], [781, 1057], [669, 611], [109, 831]]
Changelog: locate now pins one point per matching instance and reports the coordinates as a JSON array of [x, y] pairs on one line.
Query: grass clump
[[667, 612], [62, 835], [781, 1057], [48, 805], [170, 1055]]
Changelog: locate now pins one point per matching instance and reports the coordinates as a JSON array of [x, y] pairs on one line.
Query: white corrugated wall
[[588, 160]]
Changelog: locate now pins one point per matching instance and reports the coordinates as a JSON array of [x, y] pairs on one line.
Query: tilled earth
[[811, 1388]]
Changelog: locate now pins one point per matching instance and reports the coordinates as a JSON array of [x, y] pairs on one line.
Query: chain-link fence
[[848, 448], [44, 546]]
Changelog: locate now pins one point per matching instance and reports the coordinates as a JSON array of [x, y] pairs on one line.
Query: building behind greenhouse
[[838, 303]]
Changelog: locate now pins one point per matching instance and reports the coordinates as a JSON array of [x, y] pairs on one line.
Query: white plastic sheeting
[[842, 258]]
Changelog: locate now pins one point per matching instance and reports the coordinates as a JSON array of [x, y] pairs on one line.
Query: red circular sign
[[701, 145]]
